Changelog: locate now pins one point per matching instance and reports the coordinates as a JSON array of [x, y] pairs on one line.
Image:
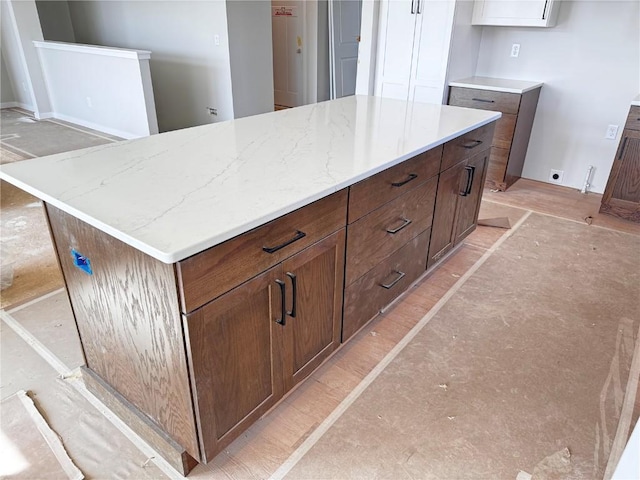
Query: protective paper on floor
[[30, 449], [536, 366]]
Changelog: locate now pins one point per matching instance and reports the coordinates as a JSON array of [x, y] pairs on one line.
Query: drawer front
[[364, 298], [385, 230], [466, 145], [503, 136], [633, 120], [217, 270], [375, 191], [485, 99]]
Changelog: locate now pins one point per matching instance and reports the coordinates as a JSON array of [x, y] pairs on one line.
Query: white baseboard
[[9, 104], [95, 126], [44, 115]]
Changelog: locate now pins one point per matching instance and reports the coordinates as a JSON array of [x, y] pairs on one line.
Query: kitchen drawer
[[484, 99], [372, 238], [217, 270], [379, 189], [505, 126], [633, 120], [466, 145], [364, 298]]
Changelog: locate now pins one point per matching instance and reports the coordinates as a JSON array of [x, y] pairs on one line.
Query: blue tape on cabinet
[[81, 262]]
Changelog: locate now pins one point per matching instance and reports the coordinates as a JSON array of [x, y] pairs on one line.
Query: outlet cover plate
[[612, 132], [555, 176]]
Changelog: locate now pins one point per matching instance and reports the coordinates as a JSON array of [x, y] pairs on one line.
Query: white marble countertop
[[636, 101], [175, 194], [496, 84]]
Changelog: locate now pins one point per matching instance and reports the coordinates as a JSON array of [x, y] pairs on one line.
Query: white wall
[[20, 27], [101, 88], [55, 20], [590, 64], [323, 87], [368, 48], [251, 56], [189, 72], [7, 95], [465, 44]]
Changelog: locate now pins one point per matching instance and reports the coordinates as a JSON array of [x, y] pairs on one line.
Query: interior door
[[344, 39], [431, 50], [395, 48], [286, 22]]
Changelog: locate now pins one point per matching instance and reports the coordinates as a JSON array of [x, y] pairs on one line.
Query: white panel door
[[431, 50], [395, 49], [287, 53], [346, 33]]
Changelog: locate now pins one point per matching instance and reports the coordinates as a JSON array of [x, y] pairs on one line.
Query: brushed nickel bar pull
[[297, 237], [412, 176], [404, 224], [396, 280], [283, 319], [294, 285], [483, 100]]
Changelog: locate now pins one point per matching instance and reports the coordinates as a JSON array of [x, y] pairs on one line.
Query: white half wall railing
[[103, 88]]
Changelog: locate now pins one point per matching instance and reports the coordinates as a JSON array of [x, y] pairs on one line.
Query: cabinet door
[[235, 350], [442, 232], [395, 49], [471, 185], [622, 195], [315, 280], [523, 13], [431, 50]]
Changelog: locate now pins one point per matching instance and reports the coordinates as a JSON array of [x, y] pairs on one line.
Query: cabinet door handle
[[470, 173], [294, 285], [412, 9], [283, 319], [297, 237], [396, 280], [418, 11], [405, 222], [544, 10], [412, 176], [472, 144], [624, 144], [483, 100]]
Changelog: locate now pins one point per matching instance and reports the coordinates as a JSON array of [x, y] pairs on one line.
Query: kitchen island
[[211, 269]]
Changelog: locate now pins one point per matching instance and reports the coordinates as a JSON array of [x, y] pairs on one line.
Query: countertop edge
[[493, 88], [181, 254]]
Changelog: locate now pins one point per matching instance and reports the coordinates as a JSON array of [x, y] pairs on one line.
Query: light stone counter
[[175, 194], [496, 84]]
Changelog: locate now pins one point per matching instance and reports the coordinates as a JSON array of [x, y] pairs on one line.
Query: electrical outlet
[[89, 102], [515, 50], [212, 111], [556, 176], [612, 132], [216, 39]]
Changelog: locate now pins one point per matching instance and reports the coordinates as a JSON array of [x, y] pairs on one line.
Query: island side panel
[[127, 313]]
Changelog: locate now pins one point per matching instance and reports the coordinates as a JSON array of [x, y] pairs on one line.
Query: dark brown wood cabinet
[[512, 131], [254, 343], [622, 195], [457, 204]]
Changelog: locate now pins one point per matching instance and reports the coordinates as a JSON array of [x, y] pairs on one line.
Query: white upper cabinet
[[413, 49], [516, 13]]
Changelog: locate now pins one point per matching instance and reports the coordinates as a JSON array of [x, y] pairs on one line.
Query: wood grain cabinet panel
[[470, 143], [383, 231], [217, 270], [621, 197], [235, 348], [364, 298], [633, 119], [314, 284], [512, 131], [383, 187]]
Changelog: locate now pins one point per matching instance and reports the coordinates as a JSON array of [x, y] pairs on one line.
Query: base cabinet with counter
[[517, 100], [190, 353]]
